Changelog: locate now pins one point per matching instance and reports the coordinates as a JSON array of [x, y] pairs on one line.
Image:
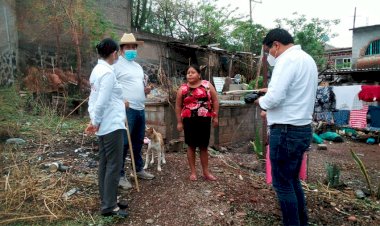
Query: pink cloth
[[146, 140], [303, 170], [358, 118]]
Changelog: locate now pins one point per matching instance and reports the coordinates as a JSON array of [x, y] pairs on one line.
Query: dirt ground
[[240, 196]]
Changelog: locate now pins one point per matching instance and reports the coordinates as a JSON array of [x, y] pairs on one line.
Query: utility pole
[[250, 12], [250, 9], [354, 18]]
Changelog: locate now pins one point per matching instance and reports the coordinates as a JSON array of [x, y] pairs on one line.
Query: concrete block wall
[[237, 123], [161, 116]]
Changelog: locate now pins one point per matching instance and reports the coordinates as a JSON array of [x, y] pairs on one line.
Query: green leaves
[[311, 35]]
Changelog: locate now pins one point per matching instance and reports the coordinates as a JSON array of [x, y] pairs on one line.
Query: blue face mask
[[130, 54]]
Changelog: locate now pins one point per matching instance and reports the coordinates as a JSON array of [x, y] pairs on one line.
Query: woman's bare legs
[[191, 160], [204, 163]]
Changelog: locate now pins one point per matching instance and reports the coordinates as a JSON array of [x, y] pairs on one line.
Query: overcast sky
[[367, 13]]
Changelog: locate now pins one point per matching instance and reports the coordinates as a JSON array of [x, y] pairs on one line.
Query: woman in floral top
[[196, 107]]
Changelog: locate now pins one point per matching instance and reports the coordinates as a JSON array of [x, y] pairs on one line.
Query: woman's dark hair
[[106, 47], [195, 66], [279, 35]]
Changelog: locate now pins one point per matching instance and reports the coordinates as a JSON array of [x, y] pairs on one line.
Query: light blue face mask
[[130, 54]]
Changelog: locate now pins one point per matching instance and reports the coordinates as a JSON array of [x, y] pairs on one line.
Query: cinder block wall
[[237, 123], [161, 116]]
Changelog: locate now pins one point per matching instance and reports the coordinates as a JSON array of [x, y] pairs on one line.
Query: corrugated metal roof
[[349, 71]]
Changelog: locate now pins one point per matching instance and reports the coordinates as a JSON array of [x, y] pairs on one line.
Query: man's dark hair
[[279, 35], [106, 47]]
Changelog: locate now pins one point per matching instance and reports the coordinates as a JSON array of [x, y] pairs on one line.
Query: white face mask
[[271, 60]]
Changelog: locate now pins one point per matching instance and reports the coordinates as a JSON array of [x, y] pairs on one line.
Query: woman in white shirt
[[107, 113]]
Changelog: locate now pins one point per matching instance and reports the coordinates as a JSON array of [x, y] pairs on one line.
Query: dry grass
[[29, 193]]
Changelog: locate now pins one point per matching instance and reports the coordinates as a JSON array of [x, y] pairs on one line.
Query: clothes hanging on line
[[370, 93], [374, 113], [325, 99], [341, 117], [358, 118], [347, 97]]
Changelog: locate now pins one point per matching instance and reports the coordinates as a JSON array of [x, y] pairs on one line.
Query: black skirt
[[197, 131]]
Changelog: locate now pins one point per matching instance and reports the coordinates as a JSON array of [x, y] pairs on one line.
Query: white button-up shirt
[[291, 92], [131, 76], [106, 102]]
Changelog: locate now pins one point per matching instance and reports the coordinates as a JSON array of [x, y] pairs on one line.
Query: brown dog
[[156, 143]]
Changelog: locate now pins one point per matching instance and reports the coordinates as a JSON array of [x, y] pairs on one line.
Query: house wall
[[334, 54], [362, 37], [8, 42], [119, 12]]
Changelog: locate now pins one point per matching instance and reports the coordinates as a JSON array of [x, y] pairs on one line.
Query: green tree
[[141, 10], [311, 35], [161, 20], [247, 37], [196, 22]]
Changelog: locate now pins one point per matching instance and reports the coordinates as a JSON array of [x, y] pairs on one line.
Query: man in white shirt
[[131, 76], [289, 103]]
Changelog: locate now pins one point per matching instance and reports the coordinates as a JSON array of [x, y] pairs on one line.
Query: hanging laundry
[[358, 118], [370, 93], [374, 113], [324, 117], [325, 99], [347, 97], [341, 117]]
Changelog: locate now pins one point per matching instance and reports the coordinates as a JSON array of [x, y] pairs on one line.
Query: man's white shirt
[[292, 90], [131, 76]]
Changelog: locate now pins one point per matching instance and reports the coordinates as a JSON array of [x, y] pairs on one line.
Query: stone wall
[[117, 11], [8, 42], [40, 50], [237, 123]]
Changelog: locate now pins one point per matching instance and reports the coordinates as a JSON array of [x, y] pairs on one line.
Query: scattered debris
[[17, 141], [322, 147], [72, 191], [149, 221], [352, 219], [359, 194]]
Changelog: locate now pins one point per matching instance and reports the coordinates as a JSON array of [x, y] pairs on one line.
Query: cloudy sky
[[367, 13]]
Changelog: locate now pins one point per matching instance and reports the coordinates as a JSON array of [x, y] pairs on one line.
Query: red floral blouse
[[197, 101]]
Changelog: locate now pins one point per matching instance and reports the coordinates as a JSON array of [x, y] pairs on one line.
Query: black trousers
[[111, 159]]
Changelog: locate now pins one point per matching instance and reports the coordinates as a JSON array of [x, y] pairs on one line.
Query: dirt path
[[171, 199], [241, 196]]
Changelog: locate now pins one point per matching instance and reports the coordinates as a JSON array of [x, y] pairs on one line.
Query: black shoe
[[122, 204], [116, 212]]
